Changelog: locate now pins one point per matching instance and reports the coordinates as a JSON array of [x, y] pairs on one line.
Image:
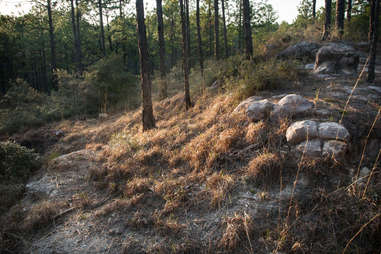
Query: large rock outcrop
[[336, 58], [304, 50]]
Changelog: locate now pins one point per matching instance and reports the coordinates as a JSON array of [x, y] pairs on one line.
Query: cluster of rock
[[331, 58], [314, 139], [257, 108]]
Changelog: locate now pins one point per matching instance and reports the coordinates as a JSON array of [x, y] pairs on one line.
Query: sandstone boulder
[[333, 131], [301, 131], [334, 148], [310, 148], [302, 51], [259, 110], [291, 104], [336, 58], [245, 104]]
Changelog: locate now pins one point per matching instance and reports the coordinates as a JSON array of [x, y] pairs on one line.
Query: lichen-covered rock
[[310, 148], [334, 148], [302, 51], [332, 130], [291, 104], [245, 104], [259, 110], [301, 131], [336, 58]]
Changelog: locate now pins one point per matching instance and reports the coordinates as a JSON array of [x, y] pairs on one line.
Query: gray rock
[[336, 58], [310, 148], [375, 88], [259, 110], [334, 148], [301, 131], [332, 130], [245, 104], [309, 66], [291, 104], [302, 51]]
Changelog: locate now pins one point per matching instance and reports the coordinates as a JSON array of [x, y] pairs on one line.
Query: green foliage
[[268, 75], [16, 163], [117, 89]]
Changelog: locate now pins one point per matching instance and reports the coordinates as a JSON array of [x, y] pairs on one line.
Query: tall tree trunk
[[111, 47], [327, 24], [102, 39], [188, 28], [173, 36], [225, 32], [210, 28], [372, 15], [120, 8], [314, 9], [148, 118], [216, 31], [373, 45], [75, 36], [52, 45], [340, 13], [240, 27], [200, 54], [78, 41], [187, 99], [349, 10], [247, 29], [160, 30]]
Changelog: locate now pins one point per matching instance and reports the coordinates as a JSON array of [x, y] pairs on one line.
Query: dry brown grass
[[41, 215], [238, 229], [219, 186], [265, 168]]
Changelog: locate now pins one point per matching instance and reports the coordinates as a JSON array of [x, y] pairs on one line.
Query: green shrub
[[17, 163]]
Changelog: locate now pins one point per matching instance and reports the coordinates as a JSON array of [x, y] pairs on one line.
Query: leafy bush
[[16, 162]]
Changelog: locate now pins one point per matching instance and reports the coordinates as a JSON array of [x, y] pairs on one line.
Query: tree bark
[[327, 25], [173, 39], [314, 9], [120, 8], [372, 15], [349, 10], [147, 114], [102, 39], [200, 54], [225, 32], [78, 41], [216, 31], [160, 30], [210, 28], [110, 44], [187, 99], [188, 27], [75, 36], [240, 27], [373, 46], [247, 29], [340, 12], [52, 45]]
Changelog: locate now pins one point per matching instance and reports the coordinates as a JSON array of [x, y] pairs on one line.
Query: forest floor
[[205, 180]]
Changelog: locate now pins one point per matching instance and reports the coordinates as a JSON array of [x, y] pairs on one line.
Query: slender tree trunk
[[160, 30], [102, 39], [111, 47], [240, 27], [186, 2], [340, 13], [210, 28], [75, 36], [372, 15], [314, 9], [78, 41], [148, 118], [247, 29], [225, 32], [52, 45], [173, 39], [349, 10], [120, 8], [201, 57], [373, 45], [187, 99], [216, 31], [327, 25]]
